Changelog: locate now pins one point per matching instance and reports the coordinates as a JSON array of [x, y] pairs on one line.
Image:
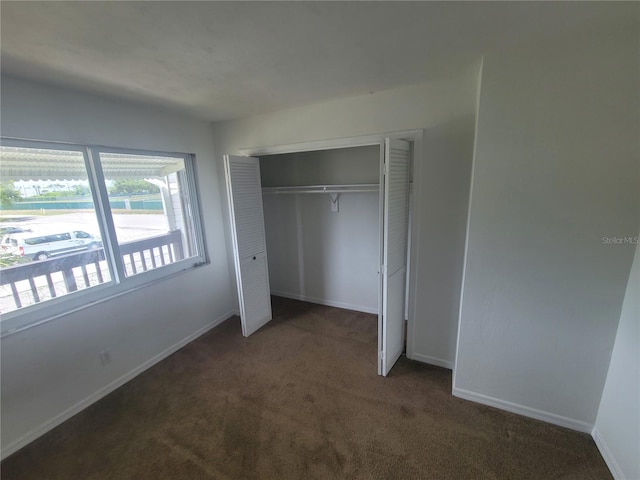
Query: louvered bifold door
[[395, 239], [249, 245]]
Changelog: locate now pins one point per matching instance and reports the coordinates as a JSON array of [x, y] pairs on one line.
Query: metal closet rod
[[355, 188]]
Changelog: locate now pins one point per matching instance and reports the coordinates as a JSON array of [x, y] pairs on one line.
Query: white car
[[40, 246]]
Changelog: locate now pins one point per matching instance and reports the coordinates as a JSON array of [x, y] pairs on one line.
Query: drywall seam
[[104, 391], [608, 456], [548, 417], [438, 362], [323, 301]]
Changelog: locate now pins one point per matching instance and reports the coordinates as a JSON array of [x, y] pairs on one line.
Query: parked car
[[40, 246], [12, 229]]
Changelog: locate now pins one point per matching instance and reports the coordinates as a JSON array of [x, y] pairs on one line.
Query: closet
[[324, 226]]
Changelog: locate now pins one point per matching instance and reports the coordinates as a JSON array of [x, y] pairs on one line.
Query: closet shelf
[[355, 188]]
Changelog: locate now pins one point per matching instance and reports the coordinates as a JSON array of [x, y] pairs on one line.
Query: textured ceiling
[[222, 60]]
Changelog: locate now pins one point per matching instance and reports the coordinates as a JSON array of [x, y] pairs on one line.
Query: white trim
[[438, 362], [348, 142], [195, 206], [324, 301], [413, 255], [466, 238], [107, 389], [548, 417], [381, 195], [104, 215], [608, 456]]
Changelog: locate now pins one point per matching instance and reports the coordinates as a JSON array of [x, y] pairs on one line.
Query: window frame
[[120, 284]]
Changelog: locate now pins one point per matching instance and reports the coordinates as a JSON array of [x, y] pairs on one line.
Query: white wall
[[617, 430], [53, 370], [446, 111], [323, 167], [555, 169], [315, 254]]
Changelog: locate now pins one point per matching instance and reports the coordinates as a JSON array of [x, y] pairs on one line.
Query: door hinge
[[380, 355]]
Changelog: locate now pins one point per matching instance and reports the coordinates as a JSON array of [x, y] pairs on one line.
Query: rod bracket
[[335, 202]]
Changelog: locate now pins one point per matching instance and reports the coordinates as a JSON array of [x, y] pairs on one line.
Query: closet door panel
[[247, 205], [250, 252], [255, 288], [395, 239], [393, 333]]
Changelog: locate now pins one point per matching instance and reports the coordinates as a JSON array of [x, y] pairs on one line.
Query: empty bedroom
[[359, 240]]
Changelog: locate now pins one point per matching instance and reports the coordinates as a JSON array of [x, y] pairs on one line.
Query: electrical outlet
[[105, 357]]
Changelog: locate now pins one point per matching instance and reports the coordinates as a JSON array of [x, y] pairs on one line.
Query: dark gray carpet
[[300, 399]]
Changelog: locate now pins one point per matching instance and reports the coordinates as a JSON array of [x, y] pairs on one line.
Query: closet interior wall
[[314, 253]]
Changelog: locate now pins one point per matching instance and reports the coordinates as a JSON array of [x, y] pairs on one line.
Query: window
[[81, 223], [155, 186]]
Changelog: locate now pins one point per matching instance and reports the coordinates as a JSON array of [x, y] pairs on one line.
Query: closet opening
[[327, 226], [321, 217]]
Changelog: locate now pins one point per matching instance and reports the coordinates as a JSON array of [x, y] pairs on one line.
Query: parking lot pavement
[[128, 226]]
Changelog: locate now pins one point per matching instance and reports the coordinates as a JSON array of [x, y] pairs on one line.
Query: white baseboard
[[608, 456], [104, 391], [524, 410], [328, 303], [438, 362]]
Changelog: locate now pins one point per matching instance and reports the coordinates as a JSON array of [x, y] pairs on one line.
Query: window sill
[[41, 313]]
